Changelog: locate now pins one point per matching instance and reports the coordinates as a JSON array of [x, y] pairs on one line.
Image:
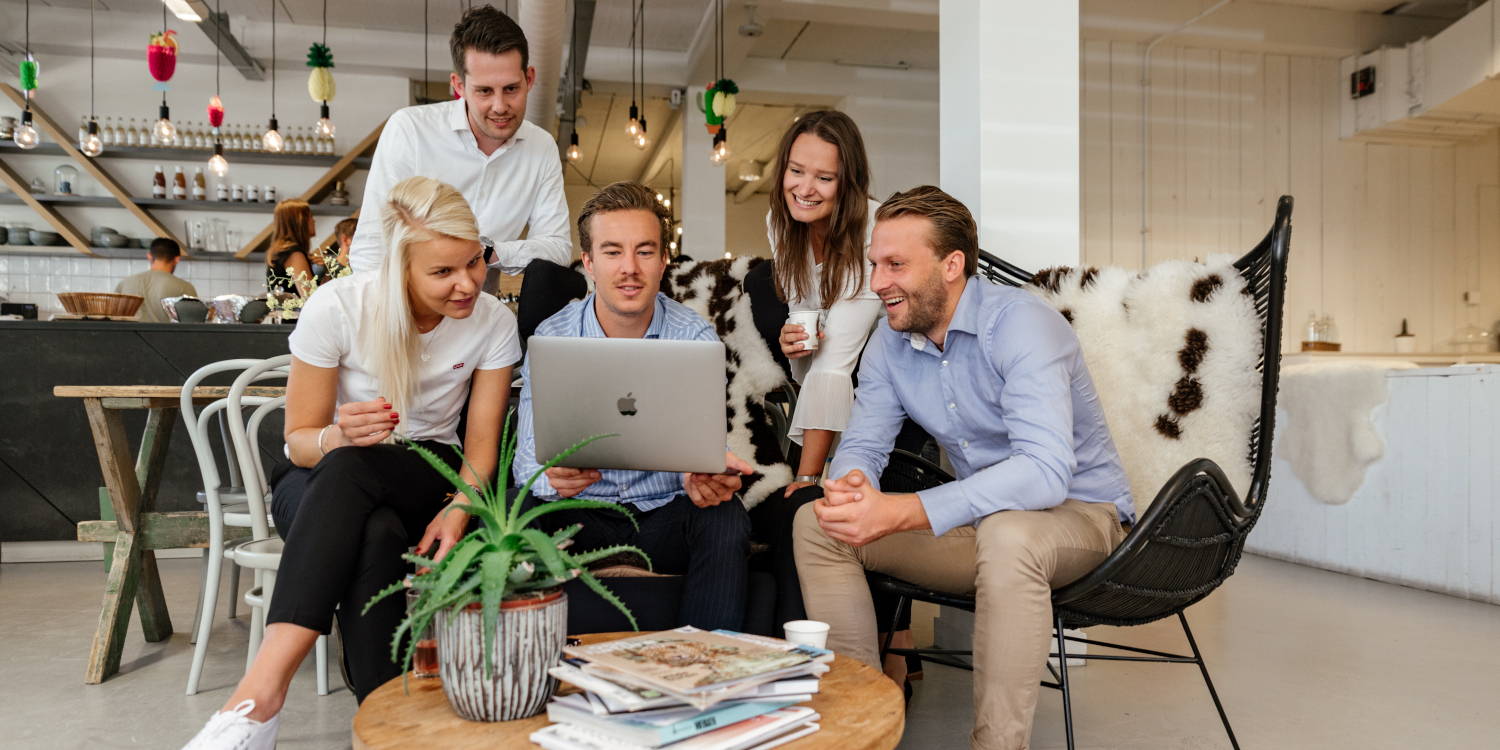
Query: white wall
[[1380, 233]]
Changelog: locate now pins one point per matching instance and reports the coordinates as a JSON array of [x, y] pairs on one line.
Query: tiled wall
[[37, 279]]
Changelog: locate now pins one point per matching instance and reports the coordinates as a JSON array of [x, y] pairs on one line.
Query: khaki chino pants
[[1010, 563]]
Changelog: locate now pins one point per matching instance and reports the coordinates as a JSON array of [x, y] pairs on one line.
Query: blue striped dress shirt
[[643, 489]]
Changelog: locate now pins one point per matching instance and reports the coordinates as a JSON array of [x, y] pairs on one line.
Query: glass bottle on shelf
[[108, 131], [1330, 330], [200, 186], [159, 183], [1311, 330], [83, 129], [132, 134], [179, 184]]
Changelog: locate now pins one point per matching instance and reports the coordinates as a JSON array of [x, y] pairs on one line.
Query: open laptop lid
[[664, 400]]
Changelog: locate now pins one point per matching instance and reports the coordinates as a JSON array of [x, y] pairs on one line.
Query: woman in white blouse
[[819, 226], [377, 357]]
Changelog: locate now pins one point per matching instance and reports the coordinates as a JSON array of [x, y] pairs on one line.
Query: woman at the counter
[[288, 266], [374, 359]]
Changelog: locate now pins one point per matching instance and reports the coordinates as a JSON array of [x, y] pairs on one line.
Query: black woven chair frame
[[1183, 547]]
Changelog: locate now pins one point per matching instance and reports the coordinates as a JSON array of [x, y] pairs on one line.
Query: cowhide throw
[[1172, 351], [714, 289]]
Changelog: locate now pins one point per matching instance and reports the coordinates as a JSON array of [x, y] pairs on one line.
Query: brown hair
[[622, 196], [292, 230], [844, 259], [951, 227], [345, 227], [486, 30], [164, 248]]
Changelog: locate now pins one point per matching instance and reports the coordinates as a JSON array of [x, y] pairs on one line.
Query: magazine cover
[[687, 659]]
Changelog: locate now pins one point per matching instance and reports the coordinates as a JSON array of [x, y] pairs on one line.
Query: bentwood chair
[[223, 498], [1186, 543], [261, 553]]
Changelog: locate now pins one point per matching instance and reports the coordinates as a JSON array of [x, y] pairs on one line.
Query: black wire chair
[[1186, 543]]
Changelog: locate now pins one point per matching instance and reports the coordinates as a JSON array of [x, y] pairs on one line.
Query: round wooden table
[[861, 710]]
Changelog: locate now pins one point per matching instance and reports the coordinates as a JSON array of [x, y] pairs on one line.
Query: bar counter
[[49, 473]]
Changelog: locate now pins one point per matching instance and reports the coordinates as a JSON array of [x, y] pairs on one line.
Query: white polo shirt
[[520, 185], [327, 335]]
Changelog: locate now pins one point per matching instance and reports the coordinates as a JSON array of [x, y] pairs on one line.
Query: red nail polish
[[395, 417], [386, 406]]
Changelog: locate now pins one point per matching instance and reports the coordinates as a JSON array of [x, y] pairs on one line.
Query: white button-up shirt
[[519, 185]]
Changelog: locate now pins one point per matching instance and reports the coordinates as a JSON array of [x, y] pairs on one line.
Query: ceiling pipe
[[583, 10], [234, 53], [1146, 121], [545, 23]]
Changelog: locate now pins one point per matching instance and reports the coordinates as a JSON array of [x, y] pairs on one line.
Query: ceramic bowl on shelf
[[115, 240], [18, 234], [42, 237]]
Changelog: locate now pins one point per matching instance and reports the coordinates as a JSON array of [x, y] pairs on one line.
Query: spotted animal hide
[[1172, 352], [714, 289]]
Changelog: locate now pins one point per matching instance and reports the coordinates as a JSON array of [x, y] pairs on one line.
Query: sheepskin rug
[[1172, 351], [1330, 437], [715, 290]]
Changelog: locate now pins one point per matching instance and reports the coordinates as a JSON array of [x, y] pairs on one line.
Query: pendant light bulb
[[217, 163], [92, 144], [633, 128], [272, 140], [574, 153], [642, 139], [325, 128], [165, 131], [720, 152], [26, 135]]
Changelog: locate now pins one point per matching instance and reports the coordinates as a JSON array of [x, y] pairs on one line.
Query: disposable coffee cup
[[807, 633], [808, 319]]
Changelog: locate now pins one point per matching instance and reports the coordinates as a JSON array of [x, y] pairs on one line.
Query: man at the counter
[[157, 282], [507, 168]]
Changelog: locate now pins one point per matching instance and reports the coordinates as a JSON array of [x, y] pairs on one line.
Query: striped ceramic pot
[[528, 641]]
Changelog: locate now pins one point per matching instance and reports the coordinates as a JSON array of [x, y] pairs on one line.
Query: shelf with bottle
[[103, 201], [195, 141]]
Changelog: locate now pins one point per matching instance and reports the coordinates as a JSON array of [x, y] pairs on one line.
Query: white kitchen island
[[1427, 514]]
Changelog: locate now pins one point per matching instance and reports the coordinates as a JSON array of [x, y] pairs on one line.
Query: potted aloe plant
[[496, 598]]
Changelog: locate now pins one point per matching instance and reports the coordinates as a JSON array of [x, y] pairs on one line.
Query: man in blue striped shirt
[[690, 524], [996, 377]]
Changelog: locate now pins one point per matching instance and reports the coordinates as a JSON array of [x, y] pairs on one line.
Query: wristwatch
[[814, 478]]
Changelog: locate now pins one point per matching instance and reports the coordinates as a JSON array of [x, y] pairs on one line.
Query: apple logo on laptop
[[626, 405]]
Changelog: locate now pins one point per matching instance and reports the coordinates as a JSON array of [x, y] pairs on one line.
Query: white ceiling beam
[[1253, 26], [907, 15], [660, 154]]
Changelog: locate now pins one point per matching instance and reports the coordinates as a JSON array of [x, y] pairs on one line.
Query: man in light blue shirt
[[689, 524], [995, 375]]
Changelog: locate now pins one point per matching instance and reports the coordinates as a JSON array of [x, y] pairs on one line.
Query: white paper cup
[[808, 319], [807, 633]]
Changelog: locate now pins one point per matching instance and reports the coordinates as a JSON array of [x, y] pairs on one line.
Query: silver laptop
[[664, 399]]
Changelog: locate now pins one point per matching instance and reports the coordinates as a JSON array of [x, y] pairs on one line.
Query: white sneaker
[[231, 730]]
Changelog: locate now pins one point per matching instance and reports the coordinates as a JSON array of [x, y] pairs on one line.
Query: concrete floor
[[1303, 659]]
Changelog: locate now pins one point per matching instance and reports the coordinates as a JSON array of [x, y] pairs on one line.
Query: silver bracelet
[[321, 450], [814, 478]]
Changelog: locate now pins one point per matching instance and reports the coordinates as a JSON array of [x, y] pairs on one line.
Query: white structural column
[[703, 197], [1009, 116]]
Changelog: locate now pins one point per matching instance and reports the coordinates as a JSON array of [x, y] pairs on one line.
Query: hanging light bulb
[[672, 245], [720, 153], [217, 162], [325, 125], [26, 135], [272, 140], [642, 139], [667, 203], [679, 231], [633, 128], [574, 153], [165, 131], [92, 144]]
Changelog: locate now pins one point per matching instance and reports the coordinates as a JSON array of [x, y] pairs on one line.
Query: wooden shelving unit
[[172, 204], [338, 168]]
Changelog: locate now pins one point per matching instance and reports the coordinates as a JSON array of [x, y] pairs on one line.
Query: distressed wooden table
[[861, 709], [136, 530]]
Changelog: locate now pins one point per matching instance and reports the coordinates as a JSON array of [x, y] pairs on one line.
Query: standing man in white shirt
[[507, 168]]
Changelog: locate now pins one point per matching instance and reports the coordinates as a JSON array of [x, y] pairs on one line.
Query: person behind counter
[[157, 282], [288, 266], [336, 256]]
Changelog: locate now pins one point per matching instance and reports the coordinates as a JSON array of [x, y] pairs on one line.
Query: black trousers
[[346, 523], [772, 525], [709, 547]]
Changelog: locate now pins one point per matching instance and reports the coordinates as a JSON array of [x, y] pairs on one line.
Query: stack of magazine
[[685, 689]]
